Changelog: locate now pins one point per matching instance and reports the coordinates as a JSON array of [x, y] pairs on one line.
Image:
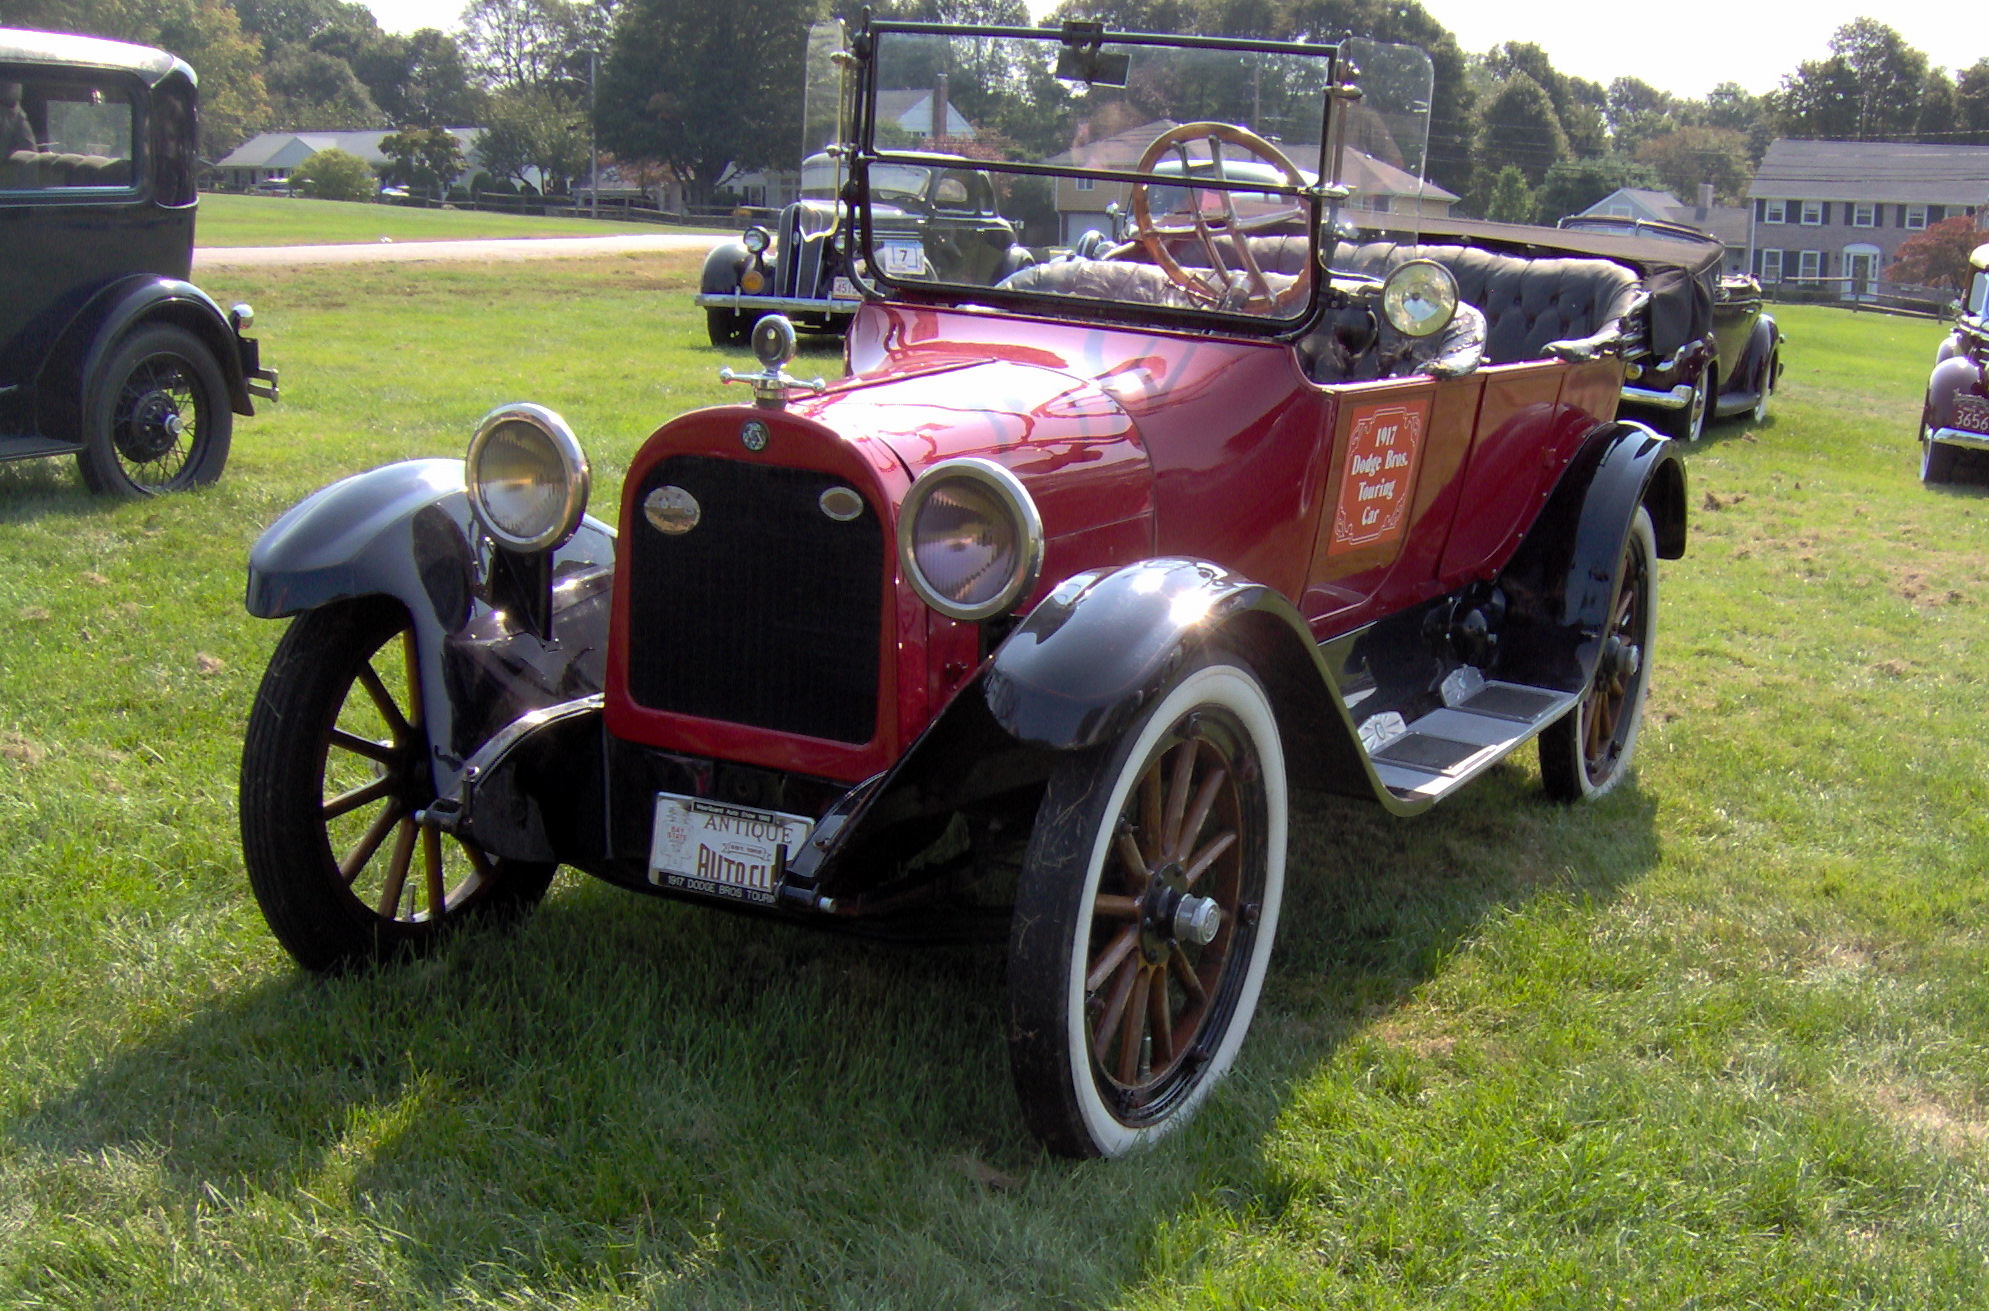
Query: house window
[[1777, 212], [1812, 213], [1916, 217], [1771, 266], [1807, 265], [1864, 214], [1380, 205], [1086, 184], [1619, 211]]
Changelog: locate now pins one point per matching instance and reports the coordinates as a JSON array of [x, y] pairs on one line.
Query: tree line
[[694, 89]]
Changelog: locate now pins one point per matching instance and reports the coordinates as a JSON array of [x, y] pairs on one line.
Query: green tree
[[1971, 90], [1636, 112], [704, 88], [1867, 90], [1511, 200], [1939, 115], [422, 159], [530, 129], [1520, 130], [1938, 257], [1690, 156], [311, 89], [334, 174]]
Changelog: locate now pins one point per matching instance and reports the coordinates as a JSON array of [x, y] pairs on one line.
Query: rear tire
[[1587, 751], [1937, 459], [725, 327]]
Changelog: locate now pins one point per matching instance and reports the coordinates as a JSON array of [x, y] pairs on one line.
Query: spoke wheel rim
[[373, 772], [1156, 1004], [1607, 710], [156, 421]]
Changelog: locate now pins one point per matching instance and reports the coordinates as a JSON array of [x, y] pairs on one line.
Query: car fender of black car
[[406, 531], [723, 267], [66, 386], [1750, 372]]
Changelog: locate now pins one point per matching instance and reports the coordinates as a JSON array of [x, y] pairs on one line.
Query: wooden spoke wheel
[[335, 771], [1587, 751], [1144, 920]]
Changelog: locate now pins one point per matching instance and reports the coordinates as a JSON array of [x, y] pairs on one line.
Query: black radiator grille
[[766, 613]]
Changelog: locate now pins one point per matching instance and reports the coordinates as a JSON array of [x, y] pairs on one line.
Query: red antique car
[[1955, 416], [1032, 620]]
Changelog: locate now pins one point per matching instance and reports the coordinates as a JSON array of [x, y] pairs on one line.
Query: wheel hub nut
[[1197, 920]]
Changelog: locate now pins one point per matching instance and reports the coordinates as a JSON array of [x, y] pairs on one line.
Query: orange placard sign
[[1384, 442]]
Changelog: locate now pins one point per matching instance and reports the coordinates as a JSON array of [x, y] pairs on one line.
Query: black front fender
[[722, 267], [406, 531]]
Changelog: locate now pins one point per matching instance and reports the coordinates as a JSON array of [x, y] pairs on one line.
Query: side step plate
[[1447, 748]]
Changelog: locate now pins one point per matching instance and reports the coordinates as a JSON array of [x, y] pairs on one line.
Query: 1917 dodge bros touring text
[[1107, 554]]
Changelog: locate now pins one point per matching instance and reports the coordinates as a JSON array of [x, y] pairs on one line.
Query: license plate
[[904, 257], [842, 289], [722, 851], [1972, 413]]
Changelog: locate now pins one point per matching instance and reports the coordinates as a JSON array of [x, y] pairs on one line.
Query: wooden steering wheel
[[1211, 285]]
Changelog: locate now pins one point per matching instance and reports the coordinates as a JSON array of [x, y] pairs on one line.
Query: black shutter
[[1935, 213], [1760, 211], [1899, 219]]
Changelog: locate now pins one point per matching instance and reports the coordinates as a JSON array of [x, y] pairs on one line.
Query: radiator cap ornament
[[671, 510], [774, 344]]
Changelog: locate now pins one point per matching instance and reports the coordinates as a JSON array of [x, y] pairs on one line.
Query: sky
[[1686, 47]]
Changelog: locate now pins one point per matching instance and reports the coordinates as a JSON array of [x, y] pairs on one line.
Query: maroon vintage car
[[1955, 416], [1030, 623]]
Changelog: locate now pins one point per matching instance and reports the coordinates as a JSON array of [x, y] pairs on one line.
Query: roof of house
[[1727, 222], [912, 111], [1873, 170], [289, 149]]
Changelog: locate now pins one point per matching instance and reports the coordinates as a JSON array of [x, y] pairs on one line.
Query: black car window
[[175, 143], [64, 134], [951, 192]]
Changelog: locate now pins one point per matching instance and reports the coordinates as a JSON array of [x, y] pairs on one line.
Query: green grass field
[[295, 221], [1720, 1040]]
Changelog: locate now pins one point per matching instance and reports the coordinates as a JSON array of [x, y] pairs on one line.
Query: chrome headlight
[[528, 478], [970, 539], [1419, 298], [756, 239]]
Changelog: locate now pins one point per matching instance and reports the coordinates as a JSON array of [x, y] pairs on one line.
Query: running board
[[1735, 402], [28, 446], [1483, 723]]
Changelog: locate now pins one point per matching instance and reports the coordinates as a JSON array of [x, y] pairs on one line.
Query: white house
[[277, 154]]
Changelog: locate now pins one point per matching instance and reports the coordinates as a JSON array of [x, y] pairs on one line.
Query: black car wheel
[[161, 419], [1143, 922], [1768, 371], [334, 769], [1937, 459], [1587, 751]]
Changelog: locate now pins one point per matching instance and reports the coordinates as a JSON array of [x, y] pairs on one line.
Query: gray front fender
[[406, 531]]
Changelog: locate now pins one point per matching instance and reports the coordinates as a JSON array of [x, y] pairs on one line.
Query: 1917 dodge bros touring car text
[[1092, 561], [106, 351]]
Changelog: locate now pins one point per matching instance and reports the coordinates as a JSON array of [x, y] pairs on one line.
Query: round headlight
[[970, 539], [1419, 298], [527, 477], [757, 239]]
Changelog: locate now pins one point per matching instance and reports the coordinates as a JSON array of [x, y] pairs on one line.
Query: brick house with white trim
[[1835, 213]]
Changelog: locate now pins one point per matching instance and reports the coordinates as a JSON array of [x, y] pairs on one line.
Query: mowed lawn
[[295, 221], [1721, 1040]]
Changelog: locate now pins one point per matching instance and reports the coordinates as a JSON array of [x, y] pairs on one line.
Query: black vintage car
[[1955, 415], [1730, 355], [934, 218], [107, 352]]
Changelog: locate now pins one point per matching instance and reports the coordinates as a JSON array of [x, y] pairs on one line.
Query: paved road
[[384, 252]]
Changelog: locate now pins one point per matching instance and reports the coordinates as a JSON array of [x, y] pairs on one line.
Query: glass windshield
[[1165, 172], [1978, 296], [1383, 151]]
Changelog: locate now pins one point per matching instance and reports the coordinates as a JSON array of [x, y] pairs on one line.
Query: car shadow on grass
[[622, 1089]]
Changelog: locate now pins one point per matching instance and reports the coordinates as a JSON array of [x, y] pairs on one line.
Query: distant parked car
[[1955, 416], [106, 351], [1732, 356], [934, 218], [274, 187]]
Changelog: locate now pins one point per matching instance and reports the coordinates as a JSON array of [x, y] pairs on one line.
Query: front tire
[[1587, 751], [725, 327], [336, 763], [1768, 371], [160, 421], [1689, 424], [1143, 924]]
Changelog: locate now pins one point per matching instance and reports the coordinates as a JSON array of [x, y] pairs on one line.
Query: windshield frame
[[1315, 200]]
